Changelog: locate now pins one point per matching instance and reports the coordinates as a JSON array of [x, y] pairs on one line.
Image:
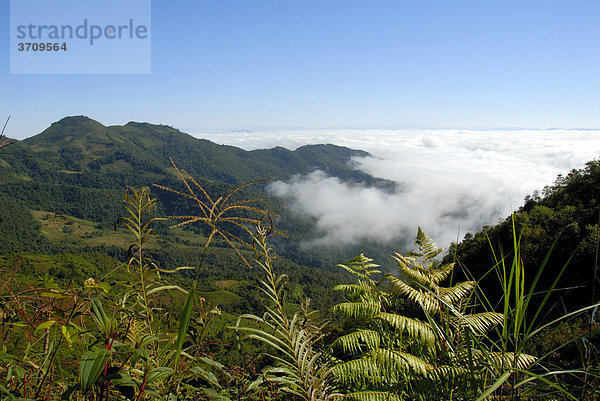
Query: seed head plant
[[217, 214]]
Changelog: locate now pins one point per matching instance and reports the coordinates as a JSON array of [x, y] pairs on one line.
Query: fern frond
[[357, 371], [380, 366], [454, 294], [480, 322], [408, 264], [426, 299], [428, 276], [447, 373], [499, 361], [361, 267], [411, 269], [369, 396], [427, 249], [363, 262], [134, 329], [356, 310], [510, 360], [355, 342], [362, 288], [414, 328], [441, 273], [392, 361]]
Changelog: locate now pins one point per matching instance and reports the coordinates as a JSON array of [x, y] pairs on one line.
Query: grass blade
[[186, 315]]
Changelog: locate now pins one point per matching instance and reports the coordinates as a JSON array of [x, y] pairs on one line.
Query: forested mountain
[[79, 167], [64, 196], [82, 145], [567, 212]]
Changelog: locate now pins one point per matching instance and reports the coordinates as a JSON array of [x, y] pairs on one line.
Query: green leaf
[[49, 294], [186, 315], [45, 325], [123, 379], [145, 340], [499, 382], [158, 373], [100, 285], [142, 353], [212, 362], [66, 334], [209, 377], [175, 270], [91, 366], [99, 316]]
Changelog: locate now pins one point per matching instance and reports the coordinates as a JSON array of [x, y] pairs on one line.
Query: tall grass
[[524, 311]]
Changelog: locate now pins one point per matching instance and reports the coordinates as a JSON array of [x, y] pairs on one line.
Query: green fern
[[357, 310], [387, 352], [414, 328], [358, 341], [373, 353], [479, 322], [301, 369]]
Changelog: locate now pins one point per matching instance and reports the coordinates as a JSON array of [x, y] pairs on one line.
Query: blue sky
[[329, 63]]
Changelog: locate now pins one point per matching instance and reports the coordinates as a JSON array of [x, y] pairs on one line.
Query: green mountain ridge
[[80, 144], [79, 167]]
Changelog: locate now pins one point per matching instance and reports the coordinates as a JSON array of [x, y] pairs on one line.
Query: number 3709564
[[42, 47]]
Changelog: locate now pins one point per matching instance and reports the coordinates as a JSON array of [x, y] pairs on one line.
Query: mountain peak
[[77, 121], [68, 127]]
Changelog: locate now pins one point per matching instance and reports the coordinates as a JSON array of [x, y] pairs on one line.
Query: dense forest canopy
[[567, 212]]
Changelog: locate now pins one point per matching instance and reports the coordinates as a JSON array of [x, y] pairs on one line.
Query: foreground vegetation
[[389, 338]]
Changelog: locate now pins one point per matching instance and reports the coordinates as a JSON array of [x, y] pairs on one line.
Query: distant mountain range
[[79, 167], [84, 146]]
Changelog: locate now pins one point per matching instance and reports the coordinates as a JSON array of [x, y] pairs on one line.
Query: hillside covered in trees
[[78, 167], [560, 224]]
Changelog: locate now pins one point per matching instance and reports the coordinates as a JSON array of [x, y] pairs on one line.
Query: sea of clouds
[[450, 181]]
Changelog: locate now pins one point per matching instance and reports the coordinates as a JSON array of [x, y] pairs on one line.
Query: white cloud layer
[[449, 178]]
